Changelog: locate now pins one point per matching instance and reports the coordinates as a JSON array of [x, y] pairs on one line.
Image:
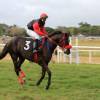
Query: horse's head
[[64, 43], [62, 39]]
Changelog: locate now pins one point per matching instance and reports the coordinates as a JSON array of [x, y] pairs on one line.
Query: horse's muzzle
[[67, 51]]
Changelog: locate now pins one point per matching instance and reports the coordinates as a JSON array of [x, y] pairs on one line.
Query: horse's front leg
[[49, 78], [42, 76], [44, 70], [49, 75]]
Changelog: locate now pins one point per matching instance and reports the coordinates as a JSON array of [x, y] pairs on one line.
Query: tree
[[3, 28], [95, 30], [84, 24], [49, 29], [62, 28], [84, 28], [16, 31], [73, 30]]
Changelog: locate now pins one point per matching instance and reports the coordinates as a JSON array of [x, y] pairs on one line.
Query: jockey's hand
[[46, 35]]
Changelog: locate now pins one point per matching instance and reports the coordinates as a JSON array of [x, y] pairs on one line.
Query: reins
[[60, 42]]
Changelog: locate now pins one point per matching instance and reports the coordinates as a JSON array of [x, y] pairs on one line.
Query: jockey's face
[[44, 18]]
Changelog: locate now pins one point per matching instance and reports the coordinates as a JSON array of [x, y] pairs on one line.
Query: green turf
[[69, 82]]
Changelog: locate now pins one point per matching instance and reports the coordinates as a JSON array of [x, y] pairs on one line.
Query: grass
[[69, 82]]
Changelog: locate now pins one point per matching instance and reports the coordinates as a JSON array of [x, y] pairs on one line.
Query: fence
[[80, 54], [2, 45]]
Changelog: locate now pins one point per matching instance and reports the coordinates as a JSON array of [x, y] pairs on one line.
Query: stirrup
[[34, 51]]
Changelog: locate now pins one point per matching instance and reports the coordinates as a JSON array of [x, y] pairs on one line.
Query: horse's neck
[[51, 45], [54, 40]]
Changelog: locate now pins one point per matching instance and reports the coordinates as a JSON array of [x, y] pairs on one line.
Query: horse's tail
[[4, 51]]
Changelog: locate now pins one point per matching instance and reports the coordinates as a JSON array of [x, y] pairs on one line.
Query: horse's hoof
[[37, 84], [21, 81], [24, 81], [47, 87]]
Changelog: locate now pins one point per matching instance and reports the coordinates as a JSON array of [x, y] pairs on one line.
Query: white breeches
[[33, 34]]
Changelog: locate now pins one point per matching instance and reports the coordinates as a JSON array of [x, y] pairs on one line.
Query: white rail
[[88, 47], [2, 44], [76, 51]]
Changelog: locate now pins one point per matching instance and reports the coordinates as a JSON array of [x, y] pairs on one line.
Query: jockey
[[38, 28]]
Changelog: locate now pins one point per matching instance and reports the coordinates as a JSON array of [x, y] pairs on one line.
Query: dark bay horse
[[21, 48]]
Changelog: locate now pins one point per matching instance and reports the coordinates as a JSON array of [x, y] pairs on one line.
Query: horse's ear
[[68, 34]]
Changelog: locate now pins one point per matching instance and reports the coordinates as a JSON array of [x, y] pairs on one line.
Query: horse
[[21, 48]]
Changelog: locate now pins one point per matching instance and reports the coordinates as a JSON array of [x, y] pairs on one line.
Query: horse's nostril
[[67, 51]]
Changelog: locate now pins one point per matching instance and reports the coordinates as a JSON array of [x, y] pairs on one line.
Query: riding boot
[[36, 46]]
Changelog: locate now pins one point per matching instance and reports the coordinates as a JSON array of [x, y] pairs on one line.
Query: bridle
[[61, 43]]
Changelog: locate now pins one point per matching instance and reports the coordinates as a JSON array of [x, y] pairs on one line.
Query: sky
[[61, 12]]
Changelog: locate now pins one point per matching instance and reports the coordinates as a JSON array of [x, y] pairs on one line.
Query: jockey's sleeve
[[44, 30], [37, 29]]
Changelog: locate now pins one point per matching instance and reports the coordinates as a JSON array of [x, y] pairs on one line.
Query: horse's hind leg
[[20, 61], [17, 65], [42, 76], [15, 58]]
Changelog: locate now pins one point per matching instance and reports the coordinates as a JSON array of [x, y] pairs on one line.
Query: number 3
[[27, 45]]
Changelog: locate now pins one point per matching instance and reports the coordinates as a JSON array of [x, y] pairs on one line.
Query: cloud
[[61, 12]]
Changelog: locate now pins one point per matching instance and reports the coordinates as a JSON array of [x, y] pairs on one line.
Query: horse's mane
[[54, 33]]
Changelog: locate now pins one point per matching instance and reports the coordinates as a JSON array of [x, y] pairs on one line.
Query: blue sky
[[60, 12]]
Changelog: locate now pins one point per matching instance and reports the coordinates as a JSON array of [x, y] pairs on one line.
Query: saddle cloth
[[38, 44]]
